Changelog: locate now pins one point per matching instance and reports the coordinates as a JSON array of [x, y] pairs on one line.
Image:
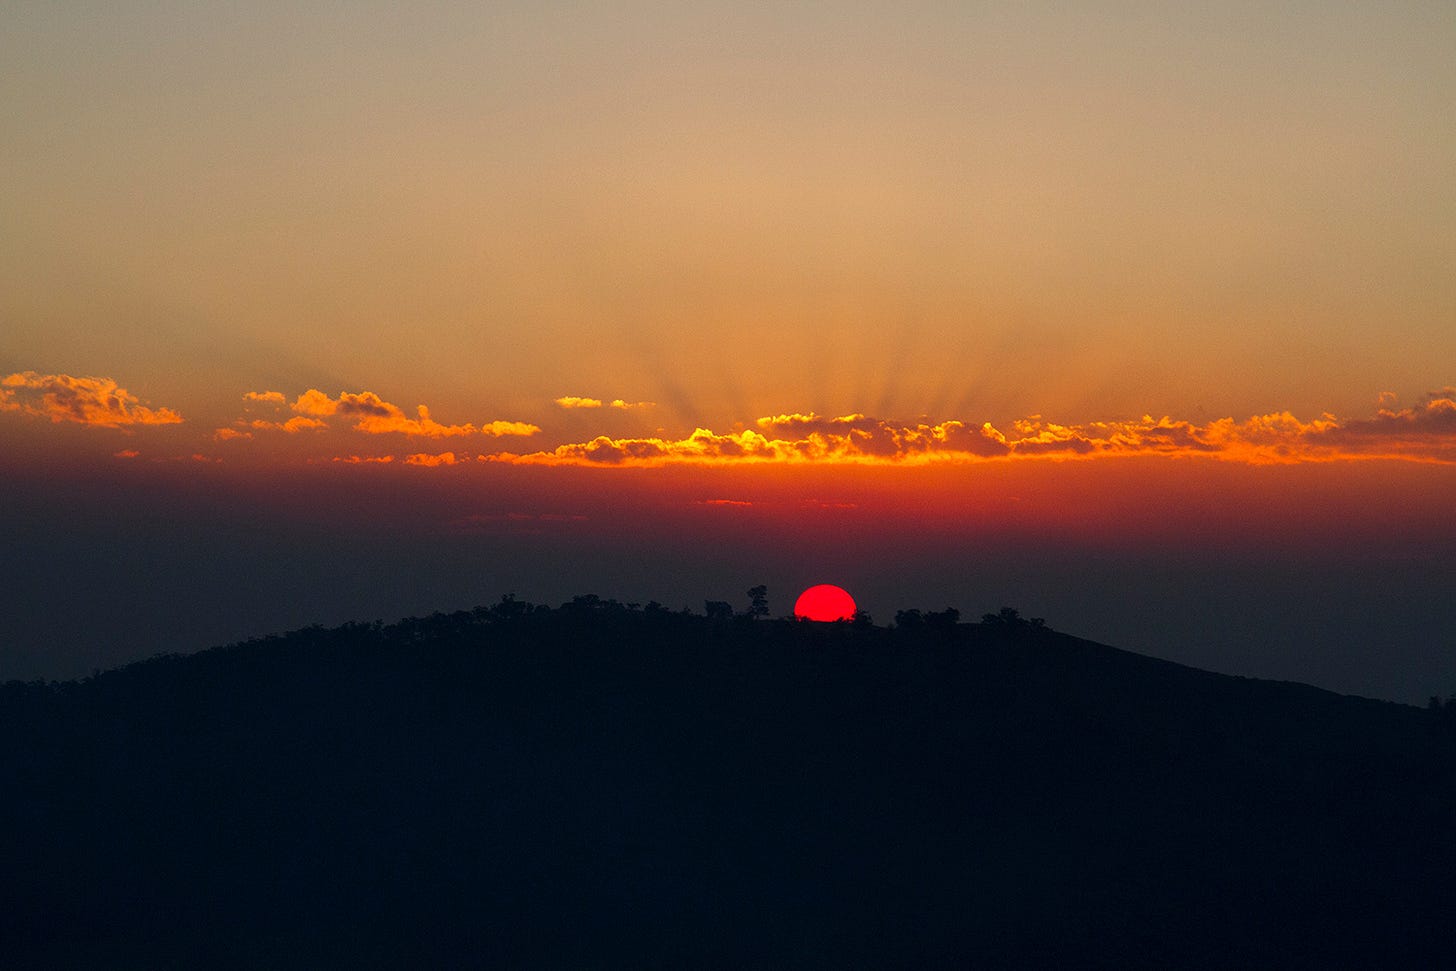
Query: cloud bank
[[1425, 432], [1421, 432], [99, 402], [367, 412]]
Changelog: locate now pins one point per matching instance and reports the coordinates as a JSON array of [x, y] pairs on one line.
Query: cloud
[[497, 429], [375, 416], [227, 434], [701, 446], [732, 503], [273, 397], [575, 401], [364, 459], [430, 461], [857, 437], [1422, 432], [784, 438], [126, 453], [298, 423], [1426, 430], [98, 402]]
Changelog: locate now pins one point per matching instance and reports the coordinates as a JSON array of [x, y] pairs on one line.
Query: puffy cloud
[[786, 438], [298, 423], [100, 402], [365, 403], [228, 434], [374, 415], [1422, 432], [430, 461], [496, 429], [859, 437], [272, 397], [577, 401], [701, 446], [1426, 431]]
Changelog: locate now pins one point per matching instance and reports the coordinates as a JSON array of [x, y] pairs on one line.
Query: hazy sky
[[259, 235]]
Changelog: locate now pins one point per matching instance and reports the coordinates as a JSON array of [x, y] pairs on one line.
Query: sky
[[1139, 318]]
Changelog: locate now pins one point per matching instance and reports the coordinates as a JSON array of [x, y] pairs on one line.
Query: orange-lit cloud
[[228, 434], [575, 401], [364, 459], [367, 412], [373, 415], [497, 429], [126, 453], [98, 402], [1424, 432], [422, 458], [298, 423]]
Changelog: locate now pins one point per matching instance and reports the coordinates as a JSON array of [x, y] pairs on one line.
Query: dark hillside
[[598, 786]]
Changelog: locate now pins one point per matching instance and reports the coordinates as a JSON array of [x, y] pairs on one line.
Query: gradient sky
[[1097, 290]]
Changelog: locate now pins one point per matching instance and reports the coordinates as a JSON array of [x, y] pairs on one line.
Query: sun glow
[[824, 602]]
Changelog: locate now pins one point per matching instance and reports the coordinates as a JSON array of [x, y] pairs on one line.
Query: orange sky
[[272, 426], [966, 267], [921, 212]]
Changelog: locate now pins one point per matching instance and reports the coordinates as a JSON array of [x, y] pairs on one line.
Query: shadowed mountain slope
[[594, 786]]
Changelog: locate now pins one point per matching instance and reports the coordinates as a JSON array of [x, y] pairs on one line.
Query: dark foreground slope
[[602, 787]]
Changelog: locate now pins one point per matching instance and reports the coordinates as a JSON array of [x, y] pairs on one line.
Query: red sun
[[826, 602]]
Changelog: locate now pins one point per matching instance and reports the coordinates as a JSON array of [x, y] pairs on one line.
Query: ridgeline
[[598, 785]]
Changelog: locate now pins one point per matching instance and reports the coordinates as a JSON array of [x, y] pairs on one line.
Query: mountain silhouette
[[599, 785]]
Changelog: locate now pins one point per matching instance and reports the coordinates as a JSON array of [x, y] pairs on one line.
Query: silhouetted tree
[[1010, 619], [909, 619], [718, 609], [1007, 618], [938, 620], [509, 608], [942, 620], [758, 601]]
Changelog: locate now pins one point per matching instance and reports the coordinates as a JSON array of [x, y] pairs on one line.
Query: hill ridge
[[592, 785]]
